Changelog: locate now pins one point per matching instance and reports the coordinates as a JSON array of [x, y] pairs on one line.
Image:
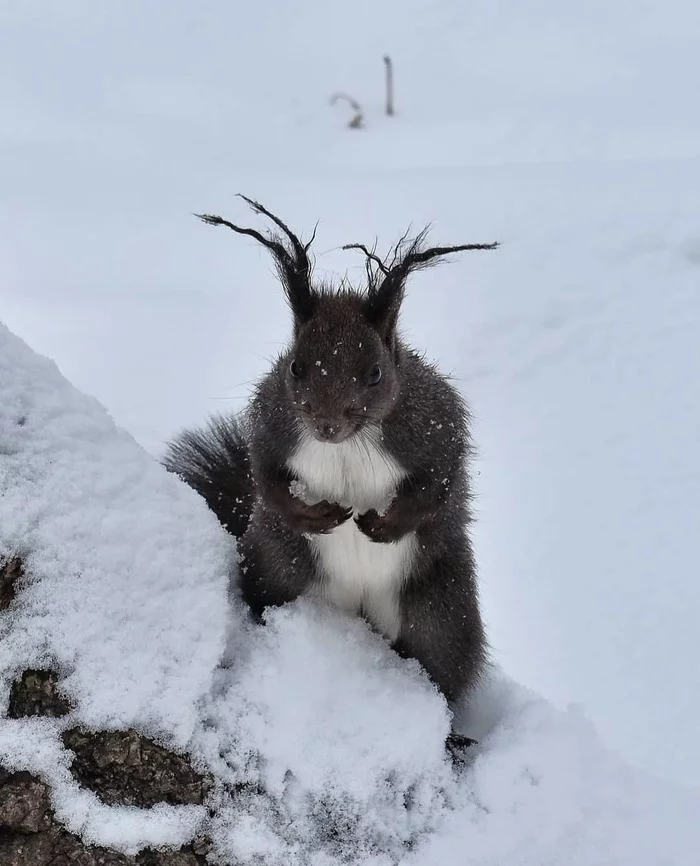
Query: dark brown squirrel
[[346, 478]]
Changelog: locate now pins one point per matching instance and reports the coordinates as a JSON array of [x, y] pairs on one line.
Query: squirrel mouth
[[331, 431]]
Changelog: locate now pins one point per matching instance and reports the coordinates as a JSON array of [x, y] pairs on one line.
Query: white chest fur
[[360, 575]]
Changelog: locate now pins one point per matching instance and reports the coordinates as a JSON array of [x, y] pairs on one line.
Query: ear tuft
[[290, 256], [386, 279]]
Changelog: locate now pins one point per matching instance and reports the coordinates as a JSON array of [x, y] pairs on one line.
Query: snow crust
[[325, 746]]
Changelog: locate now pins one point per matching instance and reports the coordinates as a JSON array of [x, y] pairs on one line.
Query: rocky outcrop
[[124, 768], [36, 694], [121, 767], [30, 836]]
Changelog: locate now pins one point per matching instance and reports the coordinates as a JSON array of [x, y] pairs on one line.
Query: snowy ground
[[564, 130], [341, 742]]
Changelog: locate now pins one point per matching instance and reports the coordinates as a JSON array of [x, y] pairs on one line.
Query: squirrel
[[346, 478]]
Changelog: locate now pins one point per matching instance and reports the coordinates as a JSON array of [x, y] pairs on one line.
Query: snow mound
[[346, 740], [325, 747], [128, 570]]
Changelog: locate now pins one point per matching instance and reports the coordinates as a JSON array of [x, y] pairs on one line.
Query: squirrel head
[[342, 371]]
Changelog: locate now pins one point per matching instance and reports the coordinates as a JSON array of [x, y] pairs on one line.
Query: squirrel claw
[[322, 517], [337, 518], [375, 527]]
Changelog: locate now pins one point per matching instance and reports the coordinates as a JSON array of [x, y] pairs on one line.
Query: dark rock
[[36, 694], [183, 857], [201, 847], [30, 836], [56, 847], [10, 572], [124, 768], [24, 802]]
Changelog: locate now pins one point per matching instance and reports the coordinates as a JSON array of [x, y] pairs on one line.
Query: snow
[[563, 130], [324, 745], [346, 731], [96, 520], [106, 601]]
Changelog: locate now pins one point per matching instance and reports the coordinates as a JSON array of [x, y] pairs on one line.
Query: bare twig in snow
[[389, 85], [357, 121]]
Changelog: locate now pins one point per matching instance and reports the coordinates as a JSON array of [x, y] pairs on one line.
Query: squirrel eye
[[374, 375], [295, 369]]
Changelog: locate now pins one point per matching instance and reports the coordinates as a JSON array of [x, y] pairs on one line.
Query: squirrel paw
[[380, 527], [460, 748], [320, 518]]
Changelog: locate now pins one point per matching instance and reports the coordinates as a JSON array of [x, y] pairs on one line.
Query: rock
[[125, 768], [29, 835], [36, 694], [56, 847], [184, 857], [24, 802], [10, 572], [121, 767]]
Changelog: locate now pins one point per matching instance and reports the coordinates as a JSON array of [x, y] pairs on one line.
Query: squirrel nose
[[325, 427]]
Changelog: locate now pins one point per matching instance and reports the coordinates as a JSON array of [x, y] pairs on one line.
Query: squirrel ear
[[382, 308], [291, 259], [387, 281], [385, 290]]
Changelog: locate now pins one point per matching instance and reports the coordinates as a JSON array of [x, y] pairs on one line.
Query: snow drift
[[324, 746]]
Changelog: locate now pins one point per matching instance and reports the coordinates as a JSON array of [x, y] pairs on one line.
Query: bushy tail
[[214, 461]]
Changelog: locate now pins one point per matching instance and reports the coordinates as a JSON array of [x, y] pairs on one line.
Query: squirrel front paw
[[382, 528], [320, 518]]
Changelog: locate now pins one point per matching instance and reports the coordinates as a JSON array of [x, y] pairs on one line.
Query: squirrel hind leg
[[441, 625]]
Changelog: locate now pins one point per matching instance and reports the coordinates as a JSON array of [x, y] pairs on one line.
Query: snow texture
[[126, 589], [325, 746], [565, 131], [562, 129]]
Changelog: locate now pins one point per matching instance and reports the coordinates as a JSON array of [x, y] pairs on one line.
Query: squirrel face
[[340, 373]]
